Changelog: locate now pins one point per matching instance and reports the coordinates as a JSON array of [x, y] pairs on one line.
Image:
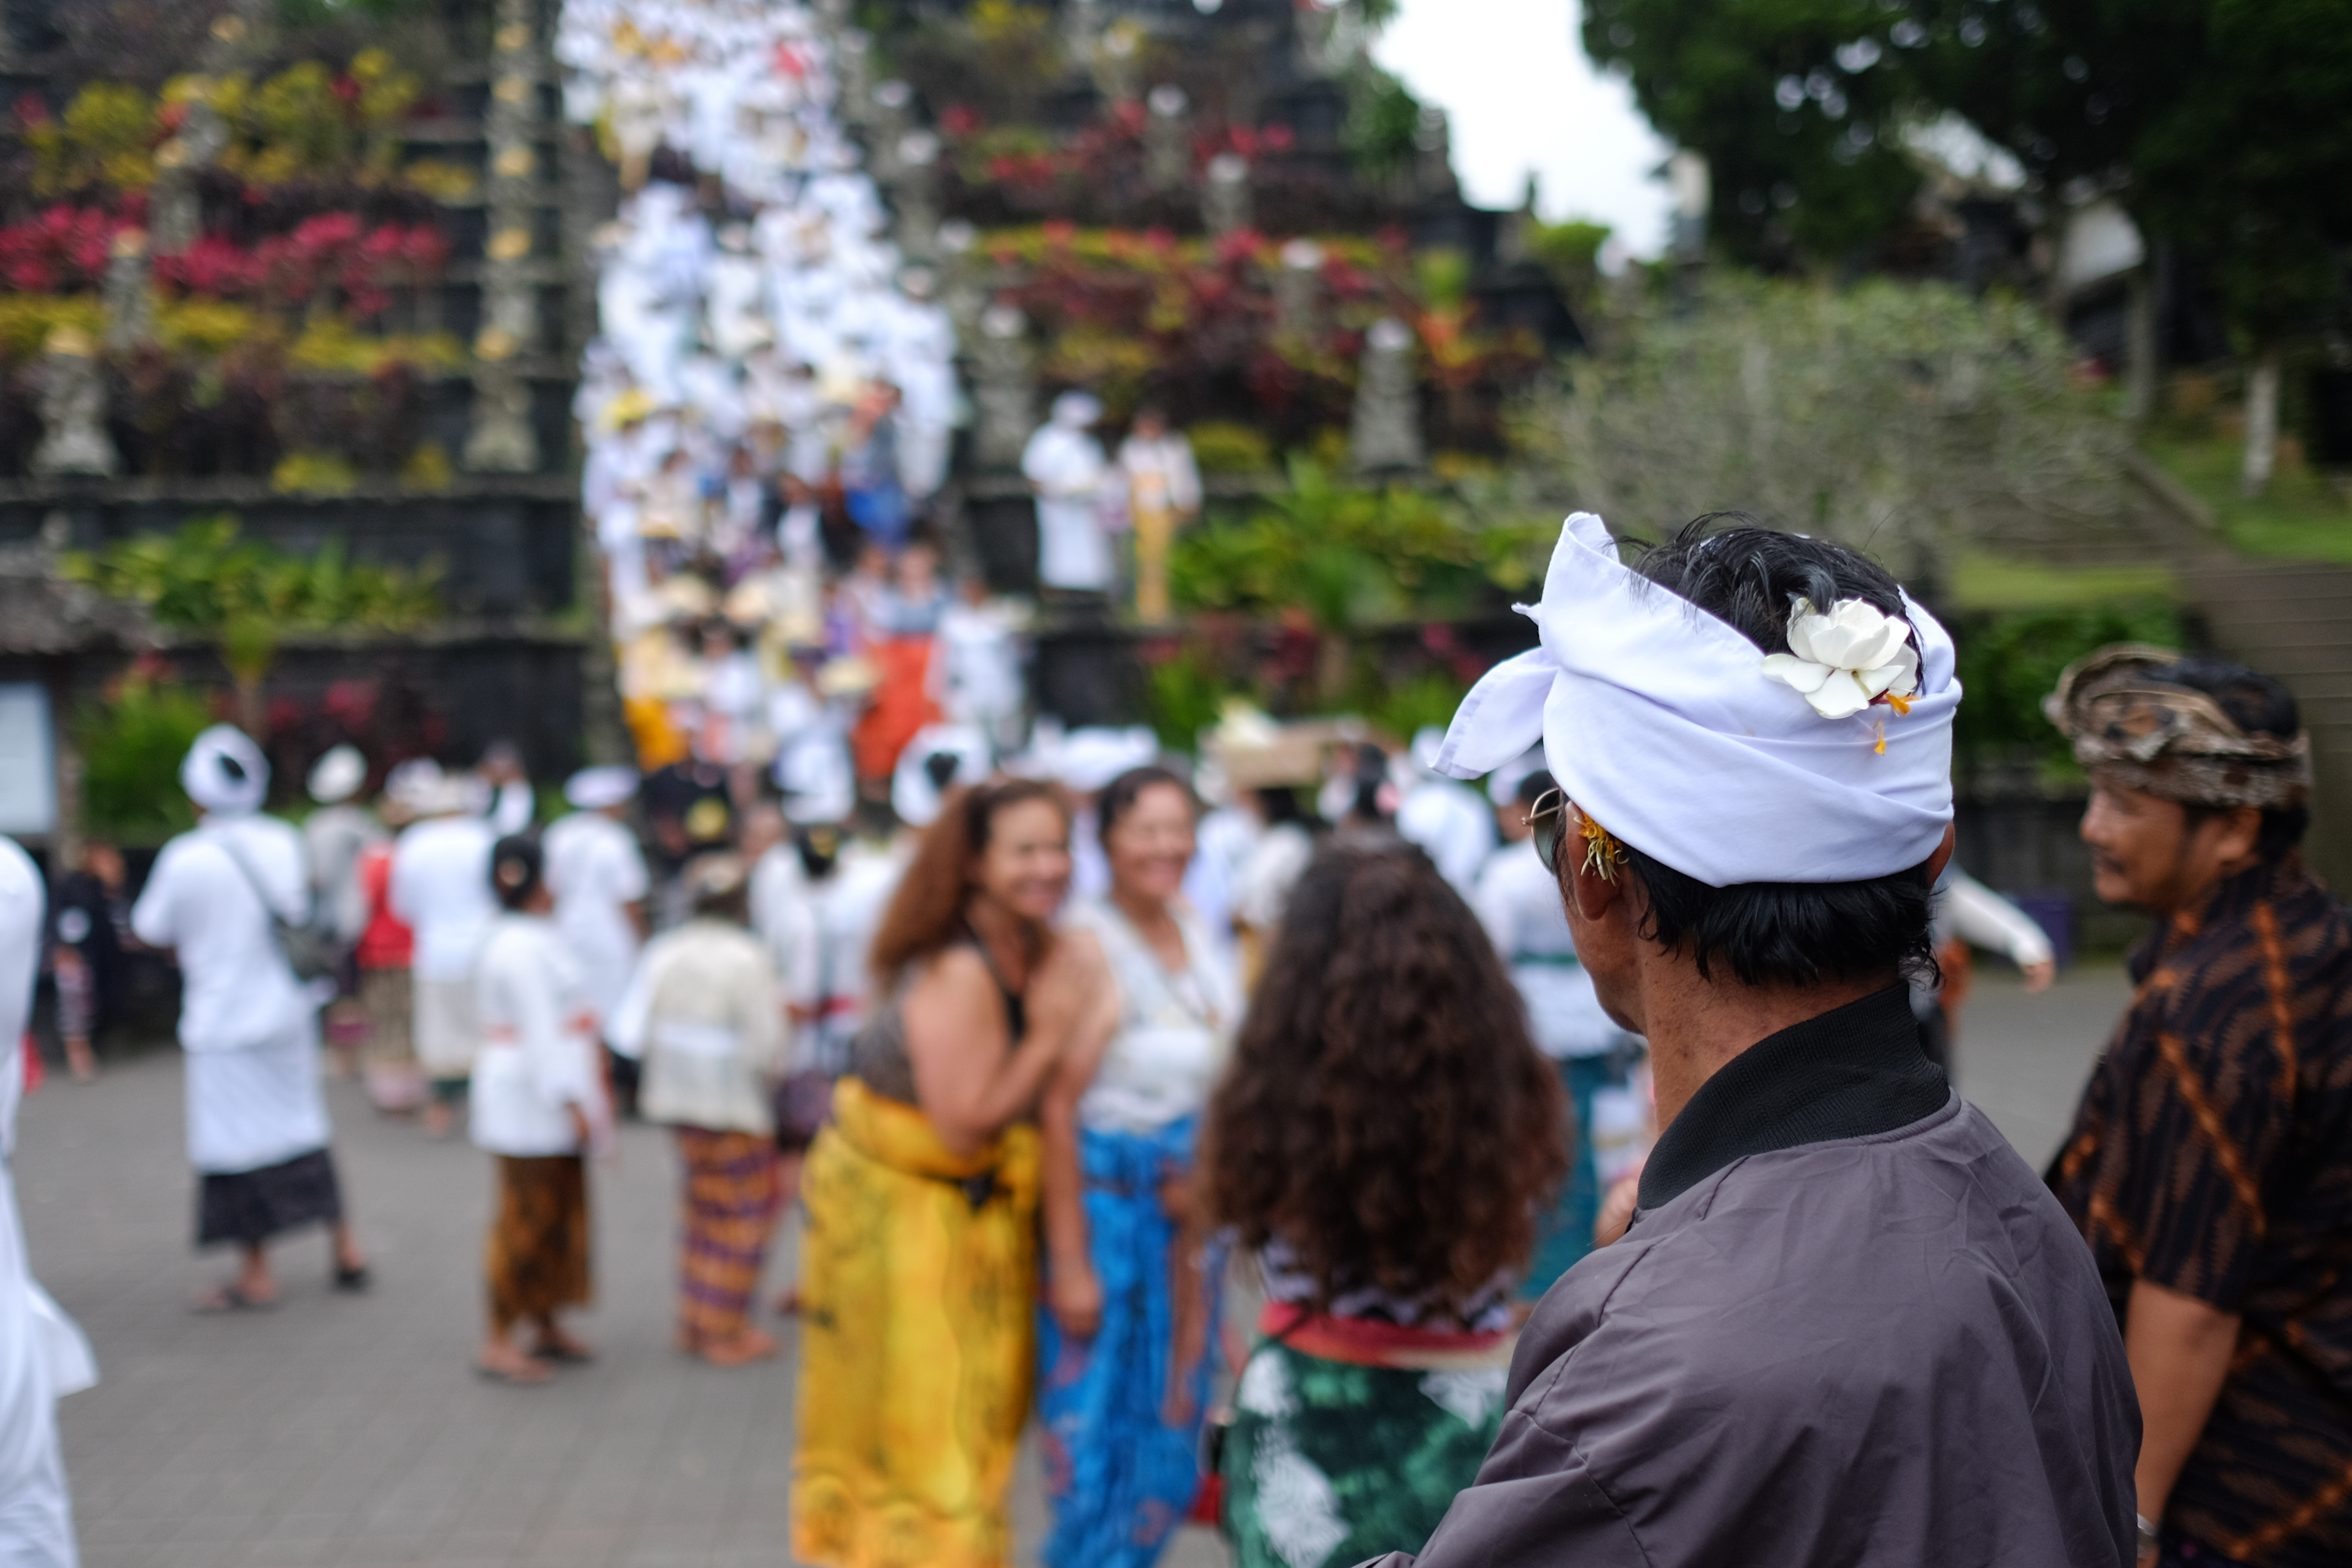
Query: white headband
[[1662, 723], [224, 772]]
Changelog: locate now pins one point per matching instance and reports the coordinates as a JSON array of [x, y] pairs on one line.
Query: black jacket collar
[[1849, 1073]]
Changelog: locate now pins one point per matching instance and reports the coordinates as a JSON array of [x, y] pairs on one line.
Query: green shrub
[[1220, 447], [2010, 660], [131, 743]]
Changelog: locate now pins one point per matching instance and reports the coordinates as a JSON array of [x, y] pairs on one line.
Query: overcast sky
[[1521, 96]]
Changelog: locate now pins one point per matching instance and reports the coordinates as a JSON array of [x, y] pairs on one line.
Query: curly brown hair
[[1387, 1115]]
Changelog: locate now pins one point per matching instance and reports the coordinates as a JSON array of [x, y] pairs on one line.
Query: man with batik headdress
[[1848, 1324], [2211, 1164]]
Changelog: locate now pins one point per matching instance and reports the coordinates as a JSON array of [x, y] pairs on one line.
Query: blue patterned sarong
[[1119, 1479]]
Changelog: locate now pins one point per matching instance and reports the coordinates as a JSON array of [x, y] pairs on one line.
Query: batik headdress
[[2147, 733]]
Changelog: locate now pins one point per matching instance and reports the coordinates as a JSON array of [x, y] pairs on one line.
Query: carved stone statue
[[853, 60], [892, 119], [1167, 138], [503, 439], [1385, 434], [130, 313], [914, 194], [959, 271], [1003, 392], [1225, 197], [1298, 290], [72, 394], [1432, 140]]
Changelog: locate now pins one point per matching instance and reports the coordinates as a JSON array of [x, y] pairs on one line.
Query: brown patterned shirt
[[2212, 1155]]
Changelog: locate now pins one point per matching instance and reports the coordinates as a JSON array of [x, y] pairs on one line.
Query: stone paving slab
[[342, 1432], [349, 1432]]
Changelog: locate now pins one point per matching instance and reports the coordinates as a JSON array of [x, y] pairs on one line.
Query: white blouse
[[538, 1056], [1174, 1026]]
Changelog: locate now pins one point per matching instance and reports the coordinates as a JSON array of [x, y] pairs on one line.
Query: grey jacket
[[1885, 1347]]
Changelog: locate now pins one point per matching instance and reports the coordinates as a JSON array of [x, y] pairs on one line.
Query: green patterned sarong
[[1331, 1462]]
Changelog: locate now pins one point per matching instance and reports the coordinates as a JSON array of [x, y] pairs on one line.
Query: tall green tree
[[1796, 104], [2220, 125]]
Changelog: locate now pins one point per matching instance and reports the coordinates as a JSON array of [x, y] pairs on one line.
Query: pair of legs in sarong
[[1122, 1410], [535, 1263], [734, 1187], [919, 1284]]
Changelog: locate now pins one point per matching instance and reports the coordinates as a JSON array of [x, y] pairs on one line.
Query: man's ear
[[1943, 855], [2237, 833], [1591, 893]]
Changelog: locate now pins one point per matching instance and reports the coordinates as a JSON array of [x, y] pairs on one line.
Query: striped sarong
[[732, 1192]]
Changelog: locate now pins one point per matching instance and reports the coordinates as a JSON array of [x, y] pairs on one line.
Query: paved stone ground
[[347, 1431]]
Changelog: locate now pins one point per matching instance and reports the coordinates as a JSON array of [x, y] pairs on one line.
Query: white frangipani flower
[[1845, 661]]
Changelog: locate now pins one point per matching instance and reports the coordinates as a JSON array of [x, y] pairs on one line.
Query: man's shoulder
[[1881, 1235]]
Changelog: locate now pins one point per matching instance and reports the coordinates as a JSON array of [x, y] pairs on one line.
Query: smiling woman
[[1125, 1342], [918, 1260]]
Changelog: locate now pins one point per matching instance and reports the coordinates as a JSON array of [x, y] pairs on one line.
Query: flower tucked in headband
[[1848, 659]]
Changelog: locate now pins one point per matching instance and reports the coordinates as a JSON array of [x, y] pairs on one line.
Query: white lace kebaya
[[1673, 731]]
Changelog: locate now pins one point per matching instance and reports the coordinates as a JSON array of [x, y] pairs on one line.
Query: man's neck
[[1695, 1026]]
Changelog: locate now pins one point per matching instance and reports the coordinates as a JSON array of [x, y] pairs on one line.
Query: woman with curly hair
[[1385, 1140], [919, 1262]]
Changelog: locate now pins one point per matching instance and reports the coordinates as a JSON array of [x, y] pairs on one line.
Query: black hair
[[1119, 797], [516, 869], [2259, 705], [1779, 933], [1280, 804], [1534, 787]]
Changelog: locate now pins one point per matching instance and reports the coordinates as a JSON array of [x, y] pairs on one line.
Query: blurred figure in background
[[511, 805], [1163, 494], [704, 1019], [258, 1129], [335, 836], [1968, 916], [86, 932], [918, 1263], [1384, 1142], [388, 1068], [1453, 825], [441, 891], [1064, 464], [43, 1356], [597, 874], [1123, 1343], [539, 1108]]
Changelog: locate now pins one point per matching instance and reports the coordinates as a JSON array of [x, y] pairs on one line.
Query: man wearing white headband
[[597, 870], [258, 1130], [1848, 1324]]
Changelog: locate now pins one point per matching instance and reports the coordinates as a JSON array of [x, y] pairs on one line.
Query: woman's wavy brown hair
[[1386, 1115], [925, 914]]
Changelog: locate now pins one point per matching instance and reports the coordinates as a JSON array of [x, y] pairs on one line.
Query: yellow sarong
[[918, 1299]]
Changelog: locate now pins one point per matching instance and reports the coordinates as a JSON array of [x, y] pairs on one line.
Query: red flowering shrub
[[62, 251]]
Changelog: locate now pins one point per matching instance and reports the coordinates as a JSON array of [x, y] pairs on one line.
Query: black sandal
[[351, 1280]]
